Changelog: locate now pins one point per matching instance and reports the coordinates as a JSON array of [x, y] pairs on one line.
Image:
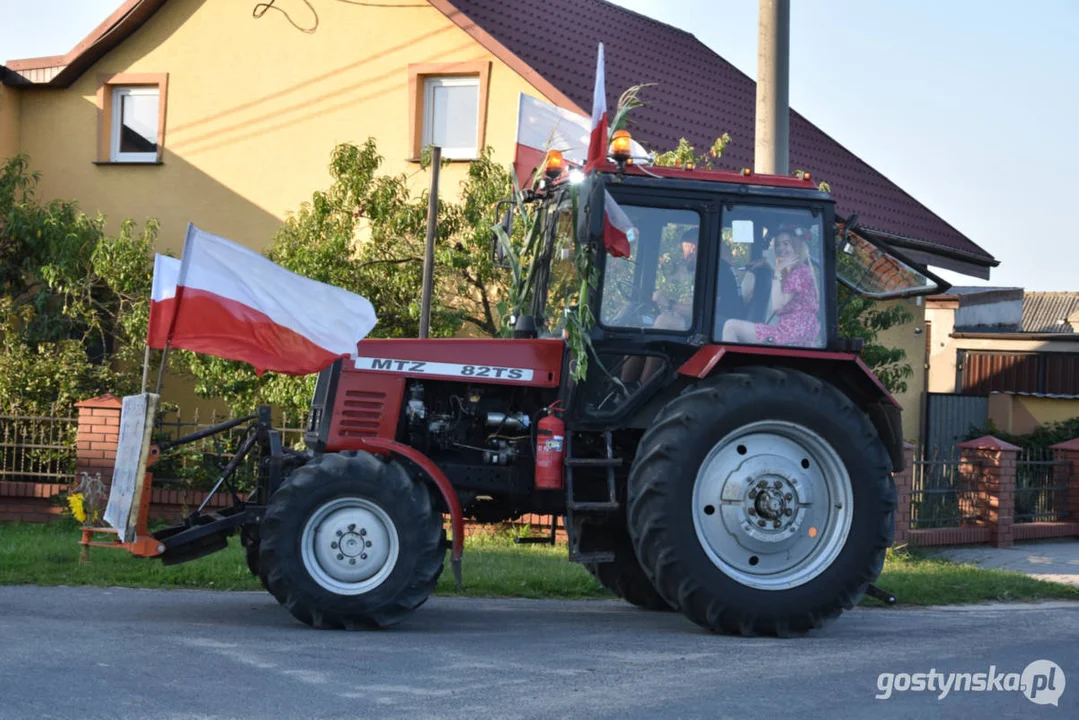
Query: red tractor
[[726, 454]]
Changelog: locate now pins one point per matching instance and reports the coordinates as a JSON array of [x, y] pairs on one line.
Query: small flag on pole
[[597, 145]]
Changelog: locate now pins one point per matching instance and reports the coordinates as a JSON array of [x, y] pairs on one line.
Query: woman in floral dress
[[795, 301]]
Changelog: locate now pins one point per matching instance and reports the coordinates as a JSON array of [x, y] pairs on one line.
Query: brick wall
[[99, 432]]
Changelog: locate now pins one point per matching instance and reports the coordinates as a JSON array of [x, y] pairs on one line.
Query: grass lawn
[[493, 567]]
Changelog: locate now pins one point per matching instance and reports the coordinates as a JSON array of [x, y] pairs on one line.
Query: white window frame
[[470, 152], [118, 93]]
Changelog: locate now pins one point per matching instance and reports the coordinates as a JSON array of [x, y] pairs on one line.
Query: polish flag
[[597, 144], [542, 126], [618, 231], [230, 302], [162, 300]]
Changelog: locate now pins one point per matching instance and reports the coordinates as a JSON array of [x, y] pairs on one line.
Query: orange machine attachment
[[144, 544]]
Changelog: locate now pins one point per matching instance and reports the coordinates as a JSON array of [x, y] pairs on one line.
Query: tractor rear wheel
[[623, 576], [761, 502], [351, 541]]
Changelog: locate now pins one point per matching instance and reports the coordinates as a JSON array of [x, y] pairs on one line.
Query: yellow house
[[224, 114]]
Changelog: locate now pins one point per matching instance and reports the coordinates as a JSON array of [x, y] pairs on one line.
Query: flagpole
[[429, 244], [145, 367], [161, 370]]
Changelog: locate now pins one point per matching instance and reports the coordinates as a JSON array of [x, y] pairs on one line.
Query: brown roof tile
[[699, 95]]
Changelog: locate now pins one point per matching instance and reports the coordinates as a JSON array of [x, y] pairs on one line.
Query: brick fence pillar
[[1068, 475], [904, 484], [993, 461], [99, 432]]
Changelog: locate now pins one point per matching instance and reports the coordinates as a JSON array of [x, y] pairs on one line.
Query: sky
[[970, 106]]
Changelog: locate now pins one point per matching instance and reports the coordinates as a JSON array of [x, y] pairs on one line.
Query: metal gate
[[949, 418]]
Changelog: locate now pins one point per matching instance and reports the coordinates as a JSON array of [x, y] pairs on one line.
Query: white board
[[132, 455]]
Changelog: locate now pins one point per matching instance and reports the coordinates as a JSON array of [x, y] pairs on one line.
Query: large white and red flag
[[225, 300], [597, 144], [543, 126]]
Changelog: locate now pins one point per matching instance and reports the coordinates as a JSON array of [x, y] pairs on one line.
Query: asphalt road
[[115, 653]]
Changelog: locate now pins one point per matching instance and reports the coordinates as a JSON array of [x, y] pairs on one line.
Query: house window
[[451, 115], [134, 124], [131, 118], [448, 108]]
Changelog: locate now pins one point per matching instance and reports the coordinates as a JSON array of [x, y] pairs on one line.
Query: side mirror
[[506, 225]]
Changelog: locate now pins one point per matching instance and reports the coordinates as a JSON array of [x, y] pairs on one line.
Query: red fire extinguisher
[[550, 449]]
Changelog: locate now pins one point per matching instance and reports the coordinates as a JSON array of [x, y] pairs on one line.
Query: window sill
[[445, 160], [128, 162]]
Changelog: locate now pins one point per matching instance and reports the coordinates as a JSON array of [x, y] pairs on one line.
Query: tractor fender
[[845, 370], [384, 446]]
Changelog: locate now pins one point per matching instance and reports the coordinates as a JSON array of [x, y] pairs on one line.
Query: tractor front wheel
[[351, 541], [761, 502]]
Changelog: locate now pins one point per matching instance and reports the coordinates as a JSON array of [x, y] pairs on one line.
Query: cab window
[[563, 284], [769, 289], [653, 287]]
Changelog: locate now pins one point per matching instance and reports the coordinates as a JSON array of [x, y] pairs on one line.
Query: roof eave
[[927, 253], [116, 28]]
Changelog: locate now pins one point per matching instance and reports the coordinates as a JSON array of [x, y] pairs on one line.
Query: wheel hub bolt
[[761, 523], [352, 561], [363, 556], [363, 531], [776, 524], [340, 533], [762, 484], [351, 527], [788, 512], [333, 545], [777, 484], [752, 494], [788, 496], [340, 556], [368, 543], [752, 511]]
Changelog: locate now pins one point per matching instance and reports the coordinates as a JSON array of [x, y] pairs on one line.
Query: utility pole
[[429, 245], [772, 148]]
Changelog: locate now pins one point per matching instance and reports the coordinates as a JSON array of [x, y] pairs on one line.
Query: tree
[[365, 233], [73, 300], [860, 317]]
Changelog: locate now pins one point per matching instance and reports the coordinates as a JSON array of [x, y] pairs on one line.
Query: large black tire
[[624, 576], [662, 513], [360, 477]]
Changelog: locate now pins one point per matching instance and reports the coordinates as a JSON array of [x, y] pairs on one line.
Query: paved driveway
[[101, 653]]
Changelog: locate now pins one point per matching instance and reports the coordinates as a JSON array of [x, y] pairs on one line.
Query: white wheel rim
[[772, 505], [349, 546]]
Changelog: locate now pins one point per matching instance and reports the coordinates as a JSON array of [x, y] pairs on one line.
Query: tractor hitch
[[883, 595]]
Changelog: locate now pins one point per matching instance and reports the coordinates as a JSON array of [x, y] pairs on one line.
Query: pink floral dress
[[798, 322]]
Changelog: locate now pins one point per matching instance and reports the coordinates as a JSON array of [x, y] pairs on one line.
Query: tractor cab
[[682, 260]]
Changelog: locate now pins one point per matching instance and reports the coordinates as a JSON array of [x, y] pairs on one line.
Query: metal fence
[[943, 491], [36, 448], [1041, 487], [199, 464]]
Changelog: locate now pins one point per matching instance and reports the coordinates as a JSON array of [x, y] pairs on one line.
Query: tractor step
[[594, 462], [592, 557]]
